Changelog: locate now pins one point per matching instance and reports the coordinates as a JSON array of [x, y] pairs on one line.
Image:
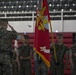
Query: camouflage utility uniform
[[58, 68], [40, 66], [14, 63], [25, 64], [73, 50], [6, 38]]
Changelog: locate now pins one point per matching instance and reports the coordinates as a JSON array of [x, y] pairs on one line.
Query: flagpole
[[53, 47], [53, 43]]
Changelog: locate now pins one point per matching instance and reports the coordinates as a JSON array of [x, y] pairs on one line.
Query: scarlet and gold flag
[[42, 31]]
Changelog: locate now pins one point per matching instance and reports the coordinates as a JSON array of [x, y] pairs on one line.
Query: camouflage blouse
[[60, 51], [6, 38], [73, 51]]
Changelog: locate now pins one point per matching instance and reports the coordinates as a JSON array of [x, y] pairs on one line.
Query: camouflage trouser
[[41, 68], [57, 69], [15, 68], [5, 64], [25, 67], [73, 71]]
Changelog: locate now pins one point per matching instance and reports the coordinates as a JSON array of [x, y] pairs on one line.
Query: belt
[[5, 51]]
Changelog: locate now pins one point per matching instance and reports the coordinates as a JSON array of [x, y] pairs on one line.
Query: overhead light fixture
[[57, 4], [54, 10], [4, 6], [62, 9], [73, 4], [34, 5], [31, 1], [12, 6], [70, 9], [16, 1], [66, 5], [27, 6], [19, 6]]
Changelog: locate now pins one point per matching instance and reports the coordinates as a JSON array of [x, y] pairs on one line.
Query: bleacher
[[30, 5], [68, 41]]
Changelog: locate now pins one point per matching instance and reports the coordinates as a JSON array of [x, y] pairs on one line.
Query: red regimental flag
[[42, 31]]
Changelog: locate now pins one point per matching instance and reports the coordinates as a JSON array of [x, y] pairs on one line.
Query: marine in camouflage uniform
[[72, 53], [25, 57], [40, 66], [15, 62], [6, 38], [57, 68]]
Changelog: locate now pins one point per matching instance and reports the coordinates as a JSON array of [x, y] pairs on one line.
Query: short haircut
[[59, 35], [26, 36], [3, 20]]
